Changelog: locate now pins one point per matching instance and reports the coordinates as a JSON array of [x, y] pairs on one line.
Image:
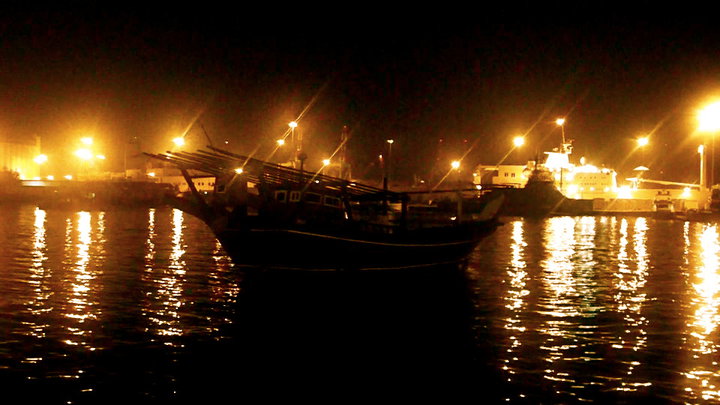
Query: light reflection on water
[[76, 286], [602, 309], [703, 376], [586, 309]]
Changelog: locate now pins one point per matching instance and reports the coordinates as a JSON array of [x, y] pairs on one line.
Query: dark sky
[[416, 75]]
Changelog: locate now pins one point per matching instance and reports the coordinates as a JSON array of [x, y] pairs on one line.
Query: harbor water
[[143, 306]]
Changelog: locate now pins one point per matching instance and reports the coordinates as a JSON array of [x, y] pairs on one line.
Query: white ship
[[589, 189]]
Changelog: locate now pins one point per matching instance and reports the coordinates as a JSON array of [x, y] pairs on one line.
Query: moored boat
[[274, 216]]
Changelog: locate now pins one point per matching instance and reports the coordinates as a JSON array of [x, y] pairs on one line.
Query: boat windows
[[313, 198], [331, 201], [281, 196], [294, 196]]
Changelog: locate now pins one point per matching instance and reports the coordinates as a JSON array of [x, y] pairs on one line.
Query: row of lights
[[85, 153]]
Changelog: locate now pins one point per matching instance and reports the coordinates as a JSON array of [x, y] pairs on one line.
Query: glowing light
[[101, 157], [40, 159], [281, 142], [643, 141], [625, 192], [292, 124], [84, 154], [390, 141], [685, 193], [151, 174], [560, 121], [326, 162], [86, 140], [519, 141], [239, 170], [51, 177], [701, 149], [68, 177], [455, 164], [556, 160], [709, 118], [179, 141]]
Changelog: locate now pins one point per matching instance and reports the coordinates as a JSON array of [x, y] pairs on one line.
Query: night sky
[[416, 75]]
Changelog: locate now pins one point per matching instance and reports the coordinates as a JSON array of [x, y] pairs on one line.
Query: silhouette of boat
[[274, 216]]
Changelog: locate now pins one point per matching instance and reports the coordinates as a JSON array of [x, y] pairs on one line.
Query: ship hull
[[307, 249]]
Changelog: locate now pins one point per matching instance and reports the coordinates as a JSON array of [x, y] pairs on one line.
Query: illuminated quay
[[585, 188]]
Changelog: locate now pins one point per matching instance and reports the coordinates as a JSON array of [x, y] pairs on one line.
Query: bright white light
[[455, 164], [239, 170], [51, 177], [86, 140], [151, 174], [179, 141], [560, 121], [40, 159], [68, 177], [84, 154], [326, 162], [292, 124], [390, 141], [519, 141], [685, 193], [625, 192], [572, 189], [709, 118], [557, 160], [281, 142], [101, 157], [643, 141]]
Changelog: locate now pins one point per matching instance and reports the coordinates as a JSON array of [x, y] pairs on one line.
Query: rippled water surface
[[602, 309], [143, 306]]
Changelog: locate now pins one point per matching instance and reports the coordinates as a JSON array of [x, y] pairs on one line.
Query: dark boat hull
[[300, 249]]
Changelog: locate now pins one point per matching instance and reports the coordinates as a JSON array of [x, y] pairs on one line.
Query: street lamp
[[709, 121], [642, 142], [561, 123], [179, 141], [387, 164], [517, 141], [40, 159], [84, 154]]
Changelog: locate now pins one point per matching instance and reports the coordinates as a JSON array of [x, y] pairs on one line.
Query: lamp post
[[518, 141], [709, 122], [642, 142], [295, 144], [387, 164], [561, 123]]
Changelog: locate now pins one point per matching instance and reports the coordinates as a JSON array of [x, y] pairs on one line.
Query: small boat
[[278, 217]]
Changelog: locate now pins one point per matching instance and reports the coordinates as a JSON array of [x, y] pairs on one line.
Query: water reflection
[[703, 378], [559, 305], [82, 304], [629, 298], [515, 298], [39, 280], [165, 300]]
